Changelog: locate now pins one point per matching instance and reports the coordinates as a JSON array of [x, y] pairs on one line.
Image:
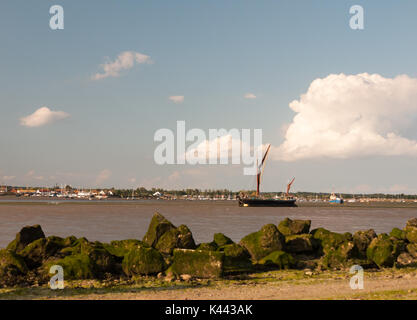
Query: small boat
[[258, 201], [336, 199]]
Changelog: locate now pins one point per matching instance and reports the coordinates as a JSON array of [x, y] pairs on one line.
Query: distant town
[[68, 192]]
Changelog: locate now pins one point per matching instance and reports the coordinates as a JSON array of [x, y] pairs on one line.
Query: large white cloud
[[125, 60], [43, 116], [344, 116]]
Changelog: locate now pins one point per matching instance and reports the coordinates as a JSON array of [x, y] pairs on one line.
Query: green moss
[[236, 258], [301, 243], [398, 233], [412, 249], [42, 249], [78, 266], [260, 244], [329, 240], [120, 248], [143, 261], [25, 236], [180, 237], [221, 240], [158, 226], [279, 259], [290, 227], [384, 250], [197, 263], [209, 246], [411, 234], [362, 239]]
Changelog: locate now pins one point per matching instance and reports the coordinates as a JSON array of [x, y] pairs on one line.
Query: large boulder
[[384, 250], [119, 248], [180, 237], [75, 267], [41, 250], [158, 226], [209, 246], [406, 260], [236, 258], [290, 227], [143, 261], [12, 268], [278, 259], [221, 240], [412, 249], [299, 243], [328, 240], [197, 263], [398, 233], [25, 236], [102, 261], [362, 239], [411, 230], [339, 257], [260, 244]]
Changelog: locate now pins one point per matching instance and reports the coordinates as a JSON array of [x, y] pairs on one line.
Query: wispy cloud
[[249, 96], [177, 99], [103, 176], [124, 61], [43, 116]]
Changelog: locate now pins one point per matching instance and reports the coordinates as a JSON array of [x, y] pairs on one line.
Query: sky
[[81, 105]]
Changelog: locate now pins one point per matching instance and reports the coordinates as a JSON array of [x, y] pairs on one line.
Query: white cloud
[[124, 61], [43, 116], [177, 99], [249, 96], [103, 176], [8, 178], [344, 116]]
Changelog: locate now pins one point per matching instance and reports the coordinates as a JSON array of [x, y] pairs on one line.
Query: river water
[[108, 220]]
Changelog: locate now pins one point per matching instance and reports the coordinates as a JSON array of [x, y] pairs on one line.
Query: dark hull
[[266, 203]]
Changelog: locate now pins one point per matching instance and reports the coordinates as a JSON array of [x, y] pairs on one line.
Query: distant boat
[[258, 201], [336, 199]]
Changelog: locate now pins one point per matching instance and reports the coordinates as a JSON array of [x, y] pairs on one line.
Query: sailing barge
[[258, 201]]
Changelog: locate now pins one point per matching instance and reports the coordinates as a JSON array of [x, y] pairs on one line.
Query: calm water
[[107, 221]]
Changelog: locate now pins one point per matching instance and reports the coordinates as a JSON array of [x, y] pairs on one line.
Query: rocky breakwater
[[170, 252]]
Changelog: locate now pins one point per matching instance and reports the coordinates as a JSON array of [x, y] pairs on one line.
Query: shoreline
[[273, 285]]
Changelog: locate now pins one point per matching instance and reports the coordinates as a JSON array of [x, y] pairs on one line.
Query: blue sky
[[210, 52]]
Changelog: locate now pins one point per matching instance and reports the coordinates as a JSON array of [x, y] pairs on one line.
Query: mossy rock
[[412, 223], [197, 263], [411, 233], [290, 227], [236, 258], [143, 261], [120, 248], [209, 246], [12, 268], [406, 260], [384, 250], [299, 243], [75, 267], [362, 239], [412, 249], [221, 240], [265, 241], [158, 226], [42, 249], [278, 259], [180, 237], [25, 236], [398, 233], [329, 240], [341, 257]]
